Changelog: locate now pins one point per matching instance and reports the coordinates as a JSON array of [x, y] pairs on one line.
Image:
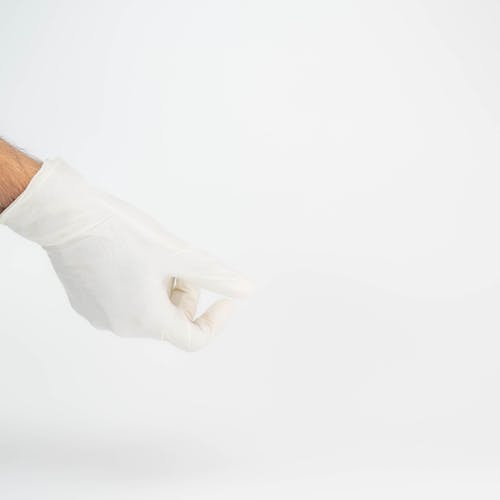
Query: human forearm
[[16, 171]]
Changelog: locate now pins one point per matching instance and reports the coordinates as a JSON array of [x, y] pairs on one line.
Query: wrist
[[16, 171], [56, 205]]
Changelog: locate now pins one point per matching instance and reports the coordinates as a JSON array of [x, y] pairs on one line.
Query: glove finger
[[206, 326], [204, 271], [185, 297], [212, 320], [191, 336]]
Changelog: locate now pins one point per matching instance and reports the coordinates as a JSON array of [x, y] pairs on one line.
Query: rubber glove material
[[120, 269]]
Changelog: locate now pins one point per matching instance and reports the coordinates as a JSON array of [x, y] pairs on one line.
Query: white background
[[343, 154]]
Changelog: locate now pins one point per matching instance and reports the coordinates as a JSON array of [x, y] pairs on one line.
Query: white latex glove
[[120, 269]]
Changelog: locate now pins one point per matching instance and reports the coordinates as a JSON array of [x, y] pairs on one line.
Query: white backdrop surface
[[345, 155]]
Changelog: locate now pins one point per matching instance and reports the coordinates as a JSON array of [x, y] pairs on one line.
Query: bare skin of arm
[[16, 171]]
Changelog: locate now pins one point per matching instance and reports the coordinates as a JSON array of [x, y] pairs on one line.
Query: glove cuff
[[55, 207]]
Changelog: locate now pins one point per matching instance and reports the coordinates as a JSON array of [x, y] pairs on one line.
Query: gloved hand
[[119, 268]]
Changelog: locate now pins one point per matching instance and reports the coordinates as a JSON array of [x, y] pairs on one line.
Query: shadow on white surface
[[117, 457]]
